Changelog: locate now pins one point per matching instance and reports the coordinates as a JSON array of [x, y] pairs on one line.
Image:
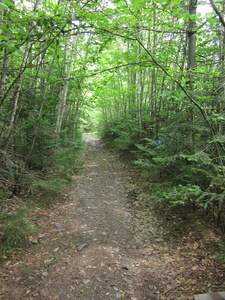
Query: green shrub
[[14, 228], [66, 158], [180, 195], [221, 254], [122, 132]]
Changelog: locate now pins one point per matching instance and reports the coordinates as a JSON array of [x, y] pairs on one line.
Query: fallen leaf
[[28, 292]]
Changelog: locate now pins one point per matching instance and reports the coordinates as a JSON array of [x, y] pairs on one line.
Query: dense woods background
[[147, 75]]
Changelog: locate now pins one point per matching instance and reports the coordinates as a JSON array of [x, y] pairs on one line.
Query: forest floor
[[103, 241]]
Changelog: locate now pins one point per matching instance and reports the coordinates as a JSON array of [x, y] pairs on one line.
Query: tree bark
[[191, 62], [221, 64], [191, 65], [67, 69], [18, 89]]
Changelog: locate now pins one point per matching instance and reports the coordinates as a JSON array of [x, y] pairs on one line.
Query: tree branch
[[110, 69], [217, 12], [153, 60]]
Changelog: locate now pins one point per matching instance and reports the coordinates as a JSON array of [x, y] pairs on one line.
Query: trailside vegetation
[[165, 100]]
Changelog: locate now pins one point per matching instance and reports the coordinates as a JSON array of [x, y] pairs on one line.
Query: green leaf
[[9, 3], [3, 5], [4, 28], [26, 271], [3, 38]]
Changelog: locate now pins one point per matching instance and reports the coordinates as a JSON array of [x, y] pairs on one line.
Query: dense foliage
[[39, 124], [165, 102]]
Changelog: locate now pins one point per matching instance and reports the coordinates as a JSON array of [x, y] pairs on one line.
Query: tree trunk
[[18, 89], [221, 64], [16, 98], [67, 69], [191, 64]]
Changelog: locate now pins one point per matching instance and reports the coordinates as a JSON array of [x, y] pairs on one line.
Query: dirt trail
[[97, 246]]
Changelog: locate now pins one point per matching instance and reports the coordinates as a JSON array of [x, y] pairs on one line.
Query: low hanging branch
[[155, 62], [177, 82]]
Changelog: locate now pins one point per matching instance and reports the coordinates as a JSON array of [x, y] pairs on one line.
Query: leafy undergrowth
[[21, 218], [20, 212]]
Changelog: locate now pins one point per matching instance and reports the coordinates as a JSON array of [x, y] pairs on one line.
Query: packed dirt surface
[[106, 242]]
